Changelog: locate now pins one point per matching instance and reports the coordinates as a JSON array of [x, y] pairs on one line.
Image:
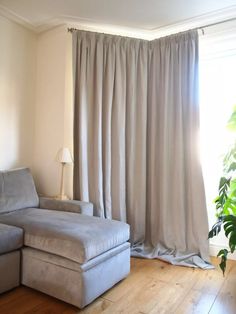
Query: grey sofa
[[67, 253]]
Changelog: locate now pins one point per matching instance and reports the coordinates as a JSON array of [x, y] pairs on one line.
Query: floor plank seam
[[219, 291]]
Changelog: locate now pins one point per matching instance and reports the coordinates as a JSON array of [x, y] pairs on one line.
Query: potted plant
[[226, 200]]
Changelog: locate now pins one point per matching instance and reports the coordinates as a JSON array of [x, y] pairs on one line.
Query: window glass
[[217, 98]]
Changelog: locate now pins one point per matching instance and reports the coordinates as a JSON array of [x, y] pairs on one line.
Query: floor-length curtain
[[136, 125]]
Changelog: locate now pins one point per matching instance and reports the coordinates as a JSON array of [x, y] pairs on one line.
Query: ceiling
[[142, 18]]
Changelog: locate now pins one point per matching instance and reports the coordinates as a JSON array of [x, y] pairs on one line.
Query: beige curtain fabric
[[135, 141]]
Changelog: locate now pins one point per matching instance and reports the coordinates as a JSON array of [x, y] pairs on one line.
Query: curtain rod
[[71, 29], [213, 24]]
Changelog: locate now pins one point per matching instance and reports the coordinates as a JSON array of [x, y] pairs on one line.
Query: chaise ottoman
[[72, 256]]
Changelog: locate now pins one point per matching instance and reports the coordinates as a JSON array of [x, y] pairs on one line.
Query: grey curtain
[[136, 124]]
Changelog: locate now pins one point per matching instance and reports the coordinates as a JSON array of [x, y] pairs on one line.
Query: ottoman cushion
[[71, 235]]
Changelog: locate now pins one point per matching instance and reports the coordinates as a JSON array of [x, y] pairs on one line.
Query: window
[[217, 98]]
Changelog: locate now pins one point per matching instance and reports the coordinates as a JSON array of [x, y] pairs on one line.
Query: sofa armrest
[[66, 205]]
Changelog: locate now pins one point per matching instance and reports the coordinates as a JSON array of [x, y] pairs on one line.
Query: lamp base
[[62, 197]]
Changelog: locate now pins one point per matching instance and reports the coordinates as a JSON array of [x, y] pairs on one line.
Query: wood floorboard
[[153, 287]]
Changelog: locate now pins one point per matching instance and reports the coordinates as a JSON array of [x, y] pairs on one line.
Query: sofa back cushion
[[17, 190]]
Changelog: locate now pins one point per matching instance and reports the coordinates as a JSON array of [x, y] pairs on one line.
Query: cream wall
[[17, 91], [35, 102], [53, 110]]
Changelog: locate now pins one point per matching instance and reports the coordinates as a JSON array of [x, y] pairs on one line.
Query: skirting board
[[214, 249]]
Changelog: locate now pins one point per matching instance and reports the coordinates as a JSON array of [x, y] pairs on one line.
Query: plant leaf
[[216, 228], [231, 125], [232, 166], [230, 230], [223, 254]]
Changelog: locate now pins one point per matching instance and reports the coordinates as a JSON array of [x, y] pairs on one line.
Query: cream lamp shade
[[64, 157]]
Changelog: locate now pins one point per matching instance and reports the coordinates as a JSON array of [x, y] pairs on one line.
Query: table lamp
[[64, 157]]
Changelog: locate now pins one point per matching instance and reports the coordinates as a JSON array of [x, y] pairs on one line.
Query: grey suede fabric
[[11, 238], [17, 190], [50, 274], [74, 236], [74, 206], [69, 264], [9, 271]]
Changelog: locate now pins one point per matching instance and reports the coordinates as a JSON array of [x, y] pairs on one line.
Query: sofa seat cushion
[[11, 238], [71, 235]]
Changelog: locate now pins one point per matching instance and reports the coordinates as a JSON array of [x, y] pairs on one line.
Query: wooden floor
[[152, 287]]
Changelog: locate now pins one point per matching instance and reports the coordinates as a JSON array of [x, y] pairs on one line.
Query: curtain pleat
[[136, 127]]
